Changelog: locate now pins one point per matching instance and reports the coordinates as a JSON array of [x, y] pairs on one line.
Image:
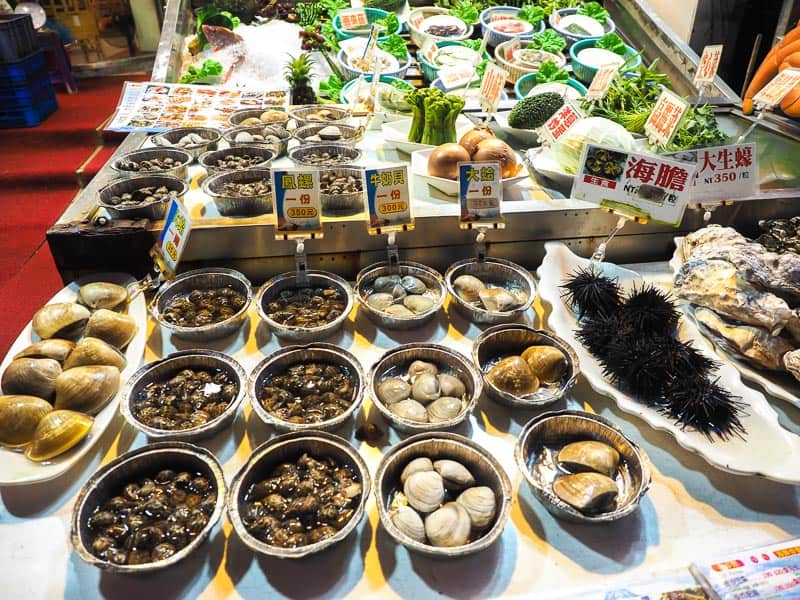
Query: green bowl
[[430, 72], [373, 14], [527, 82], [585, 72]]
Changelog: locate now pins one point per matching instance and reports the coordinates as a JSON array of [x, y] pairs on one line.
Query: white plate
[[15, 469], [767, 449], [395, 134], [449, 187], [780, 385], [542, 161]]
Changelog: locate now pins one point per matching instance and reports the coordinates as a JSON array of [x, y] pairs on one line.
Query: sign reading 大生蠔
[[175, 234], [297, 203], [480, 193], [723, 172], [388, 202]]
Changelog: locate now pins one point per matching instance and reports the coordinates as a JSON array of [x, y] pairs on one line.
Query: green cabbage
[[594, 130]]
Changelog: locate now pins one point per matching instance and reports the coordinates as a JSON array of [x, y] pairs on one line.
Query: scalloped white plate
[[15, 469], [780, 385], [767, 450]]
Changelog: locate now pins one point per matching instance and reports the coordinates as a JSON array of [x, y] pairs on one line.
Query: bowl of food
[[141, 197], [293, 480], [194, 140], [149, 508], [448, 53], [324, 155], [523, 61], [424, 387], [247, 117], [315, 114], [582, 467], [318, 386], [329, 134], [204, 304], [341, 189], [435, 23], [574, 27], [587, 58], [273, 136], [186, 396], [173, 162], [527, 86], [390, 96], [241, 193], [502, 23], [442, 495], [236, 158], [354, 65], [373, 15]]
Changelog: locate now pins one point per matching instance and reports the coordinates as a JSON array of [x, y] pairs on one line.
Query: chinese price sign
[[601, 82], [175, 234], [480, 192], [417, 20], [513, 47], [723, 172], [494, 80], [458, 75], [429, 50], [663, 122], [561, 122], [709, 63], [353, 18], [388, 201], [297, 203], [501, 16], [637, 185], [771, 94]]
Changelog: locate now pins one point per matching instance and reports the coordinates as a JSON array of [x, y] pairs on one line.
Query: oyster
[[413, 285], [102, 294], [386, 283], [497, 300], [407, 520], [31, 377], [93, 351], [754, 344], [409, 409], [86, 389], [444, 409], [19, 416], [547, 362], [425, 388], [449, 526], [711, 235], [398, 310], [454, 474], [57, 432], [418, 367], [51, 348], [418, 304], [589, 455], [393, 389], [450, 385], [468, 287], [422, 463], [791, 360], [513, 375], [480, 504], [112, 327], [62, 320], [588, 492], [380, 300], [424, 490]]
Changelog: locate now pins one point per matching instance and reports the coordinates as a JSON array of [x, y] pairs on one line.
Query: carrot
[[770, 66], [790, 105], [793, 60]]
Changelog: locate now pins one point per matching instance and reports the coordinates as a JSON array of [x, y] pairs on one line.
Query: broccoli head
[[533, 111]]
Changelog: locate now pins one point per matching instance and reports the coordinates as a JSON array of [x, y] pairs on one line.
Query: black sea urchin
[[592, 294], [637, 364], [703, 405], [650, 311]]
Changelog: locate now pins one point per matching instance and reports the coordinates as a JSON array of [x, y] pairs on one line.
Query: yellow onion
[[443, 161], [475, 136], [493, 149]]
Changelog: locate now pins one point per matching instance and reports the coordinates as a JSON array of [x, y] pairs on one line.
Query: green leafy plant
[[434, 116], [472, 44], [595, 11], [331, 88], [396, 46], [532, 14], [697, 130], [211, 15], [209, 68], [551, 6], [548, 41], [298, 75], [331, 7], [390, 23], [549, 71], [308, 13], [612, 42], [467, 11]]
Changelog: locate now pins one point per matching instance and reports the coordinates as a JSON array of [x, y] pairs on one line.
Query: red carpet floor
[[38, 175]]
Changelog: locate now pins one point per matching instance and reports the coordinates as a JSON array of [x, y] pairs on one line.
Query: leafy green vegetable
[[551, 6], [390, 23], [698, 129], [612, 42], [396, 46], [331, 88], [595, 11], [399, 84], [548, 71], [472, 44], [531, 13], [331, 7], [548, 41], [331, 40], [209, 68], [211, 15], [467, 11]]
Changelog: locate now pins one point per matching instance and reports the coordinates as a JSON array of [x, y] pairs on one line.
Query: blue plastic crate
[[27, 94], [23, 71], [28, 116], [17, 38]]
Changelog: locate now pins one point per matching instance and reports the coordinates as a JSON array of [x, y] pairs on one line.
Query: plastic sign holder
[[771, 96], [707, 68], [480, 196], [601, 82], [492, 84], [665, 118], [599, 254], [388, 206]]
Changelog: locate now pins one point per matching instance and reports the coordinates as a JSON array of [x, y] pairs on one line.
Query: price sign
[[494, 80], [297, 203], [601, 82], [772, 93], [456, 76], [663, 122], [561, 122], [429, 50], [723, 172], [417, 20], [642, 186], [709, 63], [175, 234], [388, 200], [501, 16], [513, 47], [480, 193], [353, 18]]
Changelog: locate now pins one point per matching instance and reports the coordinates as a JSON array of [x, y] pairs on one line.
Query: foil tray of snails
[[318, 386], [308, 312], [154, 161], [341, 189], [298, 494], [405, 297], [236, 158], [524, 367], [442, 495], [240, 193], [424, 387], [149, 508], [194, 140], [211, 282], [582, 467], [313, 114], [150, 207], [324, 155], [490, 291], [187, 396]]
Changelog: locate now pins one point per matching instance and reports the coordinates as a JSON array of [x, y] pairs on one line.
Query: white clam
[[413, 285], [424, 491], [450, 385], [589, 455], [418, 367], [418, 304], [588, 492], [454, 474], [393, 390], [468, 287], [480, 504], [425, 388], [385, 283], [449, 526], [417, 465], [380, 300], [497, 300], [407, 520], [443, 409], [398, 310], [410, 409]]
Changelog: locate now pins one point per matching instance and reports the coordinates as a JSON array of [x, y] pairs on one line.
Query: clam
[[418, 304], [520, 295], [449, 526], [19, 416], [418, 367], [112, 327], [589, 456], [57, 432], [413, 285], [393, 389], [410, 409], [450, 385], [398, 310], [480, 504], [330, 133], [496, 299], [468, 287], [513, 375], [51, 348], [386, 283], [424, 490], [94, 351], [407, 520], [398, 292], [443, 409], [31, 377], [422, 463], [425, 388], [454, 474], [86, 389], [380, 300], [62, 320], [588, 492], [547, 362], [102, 294]]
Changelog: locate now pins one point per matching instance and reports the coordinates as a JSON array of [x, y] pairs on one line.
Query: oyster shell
[[444, 409], [393, 389], [423, 463], [380, 300], [112, 327], [51, 348], [497, 299], [547, 362], [62, 320], [589, 455], [791, 360], [480, 504], [454, 474], [398, 310], [31, 377], [418, 367], [57, 432], [450, 385], [588, 492], [468, 287], [425, 388], [407, 520], [418, 304], [410, 409], [102, 294], [19, 416], [513, 375], [449, 526], [413, 285], [86, 389], [424, 490], [386, 283], [94, 351]]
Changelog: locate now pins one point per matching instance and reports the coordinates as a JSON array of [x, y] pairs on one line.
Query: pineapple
[[298, 75]]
